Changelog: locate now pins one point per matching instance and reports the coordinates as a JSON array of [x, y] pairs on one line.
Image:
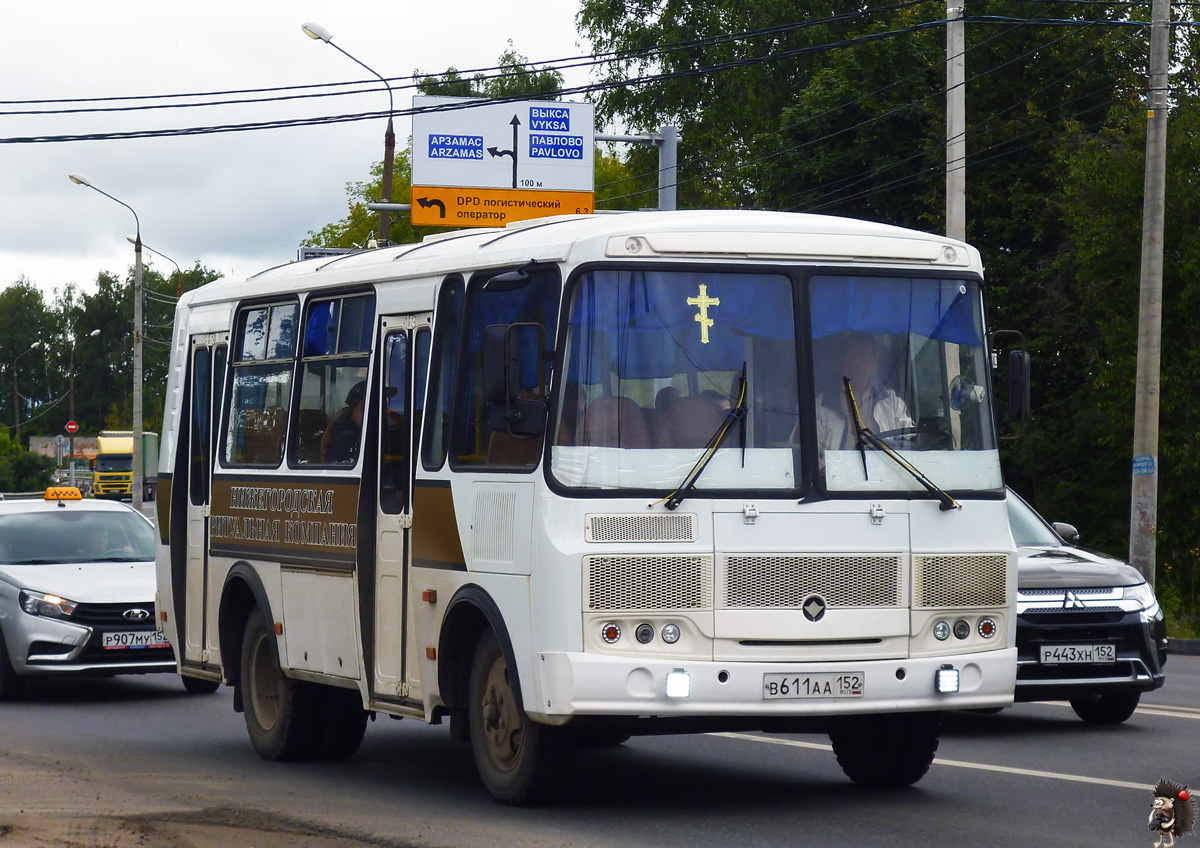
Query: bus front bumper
[[577, 684]]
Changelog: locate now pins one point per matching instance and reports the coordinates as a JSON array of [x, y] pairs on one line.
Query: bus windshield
[[906, 355], [655, 362]]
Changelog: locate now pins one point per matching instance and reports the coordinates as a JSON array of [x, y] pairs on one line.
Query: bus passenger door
[[405, 344], [207, 364]]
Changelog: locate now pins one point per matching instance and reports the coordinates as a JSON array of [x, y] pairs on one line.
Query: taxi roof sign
[[63, 493]]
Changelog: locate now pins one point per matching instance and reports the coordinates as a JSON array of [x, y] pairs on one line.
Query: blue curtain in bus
[[938, 309], [644, 325]]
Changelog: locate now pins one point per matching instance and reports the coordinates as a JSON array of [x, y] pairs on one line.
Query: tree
[[24, 322], [22, 470]]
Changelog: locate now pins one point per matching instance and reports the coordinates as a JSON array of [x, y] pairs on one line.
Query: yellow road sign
[[445, 206]]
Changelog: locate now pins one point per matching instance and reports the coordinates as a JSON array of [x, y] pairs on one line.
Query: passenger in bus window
[[344, 434], [880, 408]]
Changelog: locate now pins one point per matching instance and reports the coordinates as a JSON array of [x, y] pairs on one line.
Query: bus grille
[[786, 581], [634, 527], [954, 580], [647, 582]]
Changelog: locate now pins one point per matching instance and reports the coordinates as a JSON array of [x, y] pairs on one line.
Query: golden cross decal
[[704, 301]]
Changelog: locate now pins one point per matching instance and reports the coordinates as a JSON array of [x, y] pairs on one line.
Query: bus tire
[[521, 762], [282, 715], [886, 751], [345, 723], [11, 684]]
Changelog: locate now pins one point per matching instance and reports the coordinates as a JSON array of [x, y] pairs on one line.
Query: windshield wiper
[[866, 437], [736, 414]]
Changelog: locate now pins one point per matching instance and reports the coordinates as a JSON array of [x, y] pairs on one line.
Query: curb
[[1188, 647]]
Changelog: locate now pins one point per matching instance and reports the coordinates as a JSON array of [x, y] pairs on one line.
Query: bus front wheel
[[521, 762], [891, 750], [282, 715]]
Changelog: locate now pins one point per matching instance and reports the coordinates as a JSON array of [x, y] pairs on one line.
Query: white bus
[[590, 477]]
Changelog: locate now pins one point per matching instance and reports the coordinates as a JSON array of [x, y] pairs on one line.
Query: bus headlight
[[670, 633], [941, 631]]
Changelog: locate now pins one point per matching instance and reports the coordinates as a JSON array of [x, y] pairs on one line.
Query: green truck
[[113, 466]]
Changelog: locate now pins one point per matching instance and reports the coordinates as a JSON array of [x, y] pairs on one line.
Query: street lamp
[[136, 493], [319, 33], [178, 271], [16, 393], [71, 402]]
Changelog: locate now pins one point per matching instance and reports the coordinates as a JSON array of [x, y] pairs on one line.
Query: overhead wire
[[719, 172], [973, 132]]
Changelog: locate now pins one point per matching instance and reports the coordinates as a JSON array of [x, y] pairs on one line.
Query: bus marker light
[[679, 684], [987, 628], [610, 632], [947, 680], [431, 653], [429, 596]]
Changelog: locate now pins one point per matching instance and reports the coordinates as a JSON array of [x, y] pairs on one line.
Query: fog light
[[644, 633], [941, 631], [987, 628], [679, 683], [947, 679], [610, 632], [962, 628], [670, 633]]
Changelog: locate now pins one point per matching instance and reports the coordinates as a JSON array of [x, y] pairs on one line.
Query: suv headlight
[[51, 606], [1142, 593]]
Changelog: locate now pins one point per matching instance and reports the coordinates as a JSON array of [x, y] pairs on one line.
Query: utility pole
[[1143, 513], [956, 122], [137, 373]]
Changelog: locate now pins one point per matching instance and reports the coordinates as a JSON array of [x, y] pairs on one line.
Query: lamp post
[[136, 493], [71, 402], [16, 393], [178, 270], [319, 33]]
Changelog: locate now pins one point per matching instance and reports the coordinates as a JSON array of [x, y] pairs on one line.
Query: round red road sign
[[71, 427]]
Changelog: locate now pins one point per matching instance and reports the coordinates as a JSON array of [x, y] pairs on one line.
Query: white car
[[76, 590]]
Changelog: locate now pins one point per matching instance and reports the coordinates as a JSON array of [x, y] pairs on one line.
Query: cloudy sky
[[239, 201]]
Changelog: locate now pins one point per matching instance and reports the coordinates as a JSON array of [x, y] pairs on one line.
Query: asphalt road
[[1033, 774]]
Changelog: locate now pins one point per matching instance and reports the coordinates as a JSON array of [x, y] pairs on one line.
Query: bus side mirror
[[505, 361], [1018, 386]]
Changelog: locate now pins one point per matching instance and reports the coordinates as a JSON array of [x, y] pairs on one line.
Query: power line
[[719, 172], [417, 80]]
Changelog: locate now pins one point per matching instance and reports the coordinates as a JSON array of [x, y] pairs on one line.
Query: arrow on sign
[[427, 203], [496, 151]]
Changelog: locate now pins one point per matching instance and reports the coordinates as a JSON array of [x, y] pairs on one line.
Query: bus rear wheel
[[521, 762], [282, 715], [892, 750]]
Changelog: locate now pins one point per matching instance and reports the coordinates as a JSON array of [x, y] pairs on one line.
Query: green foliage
[[515, 79], [21, 470]]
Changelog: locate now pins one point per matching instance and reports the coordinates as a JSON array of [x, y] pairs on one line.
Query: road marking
[[1050, 775]]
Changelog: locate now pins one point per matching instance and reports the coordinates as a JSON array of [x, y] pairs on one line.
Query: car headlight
[[51, 606], [1142, 593]]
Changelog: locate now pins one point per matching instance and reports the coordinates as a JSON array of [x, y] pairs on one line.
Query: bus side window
[[477, 442], [327, 428], [262, 384]]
